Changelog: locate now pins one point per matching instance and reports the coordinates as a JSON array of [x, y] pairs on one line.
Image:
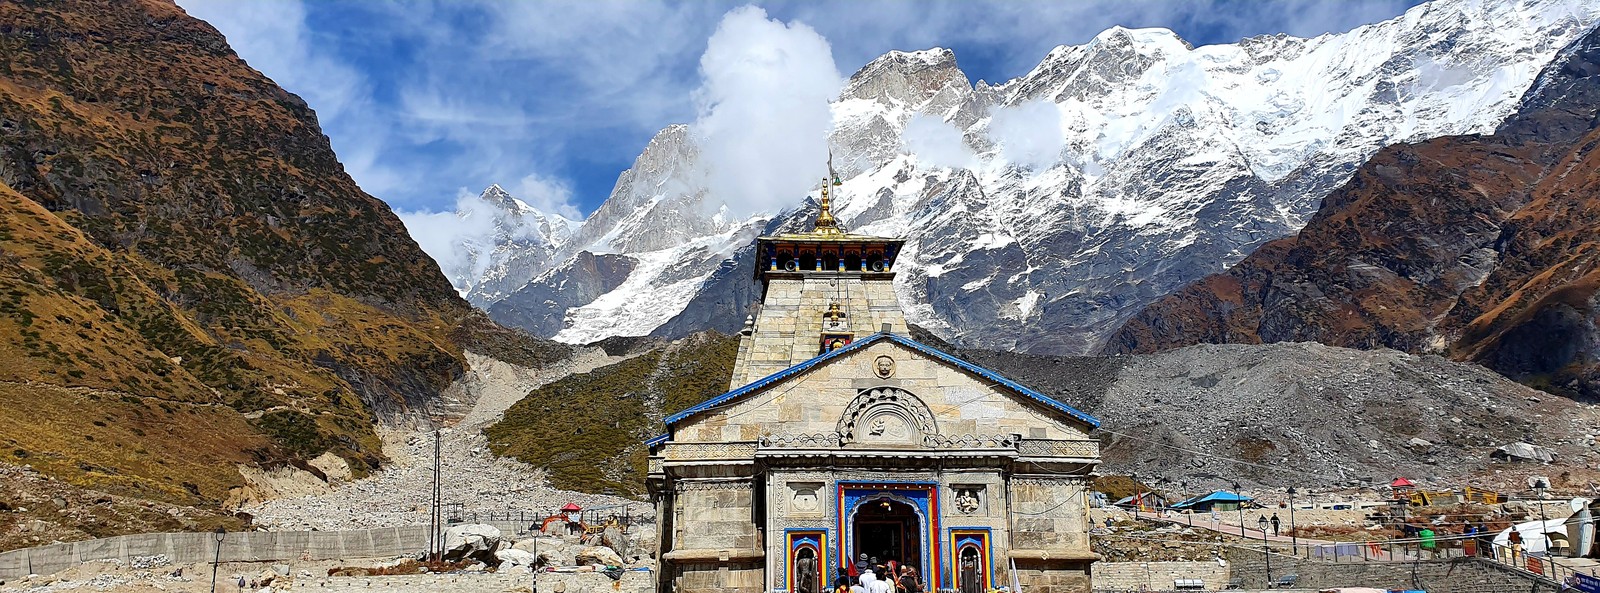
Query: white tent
[[1535, 535]]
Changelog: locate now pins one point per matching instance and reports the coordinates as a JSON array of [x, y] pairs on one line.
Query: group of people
[[869, 575]]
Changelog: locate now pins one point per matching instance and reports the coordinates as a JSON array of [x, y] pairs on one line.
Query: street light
[[220, 533], [1266, 553], [1294, 541], [1238, 503], [1544, 536]]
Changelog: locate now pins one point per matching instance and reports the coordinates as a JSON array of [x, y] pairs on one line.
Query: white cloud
[[1029, 134], [764, 117], [936, 143], [462, 241], [550, 195], [454, 241]]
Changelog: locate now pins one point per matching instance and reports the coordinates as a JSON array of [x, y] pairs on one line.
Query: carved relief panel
[[886, 415], [805, 499], [969, 499]]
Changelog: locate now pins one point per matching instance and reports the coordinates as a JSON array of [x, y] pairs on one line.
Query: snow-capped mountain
[[519, 242], [1040, 213]]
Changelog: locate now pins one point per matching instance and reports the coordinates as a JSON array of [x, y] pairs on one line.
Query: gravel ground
[[472, 475]]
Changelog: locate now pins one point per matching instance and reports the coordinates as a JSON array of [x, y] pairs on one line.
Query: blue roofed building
[[840, 436]]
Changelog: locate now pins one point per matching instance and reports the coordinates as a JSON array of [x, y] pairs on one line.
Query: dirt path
[[472, 476]]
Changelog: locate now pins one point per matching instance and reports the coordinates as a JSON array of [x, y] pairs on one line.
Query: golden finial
[[826, 225], [834, 314]]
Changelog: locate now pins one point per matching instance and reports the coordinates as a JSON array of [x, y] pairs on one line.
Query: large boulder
[[598, 555], [1520, 451], [613, 538], [472, 540], [514, 560], [550, 551]]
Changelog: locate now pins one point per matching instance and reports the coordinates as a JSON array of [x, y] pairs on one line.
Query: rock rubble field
[[1310, 415], [472, 476]]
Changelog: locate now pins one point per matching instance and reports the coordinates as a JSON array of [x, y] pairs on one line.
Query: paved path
[[1223, 527]]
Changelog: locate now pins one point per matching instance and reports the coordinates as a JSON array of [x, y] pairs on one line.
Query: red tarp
[[1401, 483]]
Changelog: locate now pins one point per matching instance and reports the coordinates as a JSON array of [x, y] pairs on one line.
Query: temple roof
[[805, 237], [860, 344]]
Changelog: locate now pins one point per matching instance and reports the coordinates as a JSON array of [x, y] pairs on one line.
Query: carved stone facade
[[842, 437]]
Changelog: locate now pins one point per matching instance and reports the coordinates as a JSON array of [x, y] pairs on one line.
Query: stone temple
[[841, 436]]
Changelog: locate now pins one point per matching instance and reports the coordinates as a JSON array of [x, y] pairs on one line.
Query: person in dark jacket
[[909, 583]]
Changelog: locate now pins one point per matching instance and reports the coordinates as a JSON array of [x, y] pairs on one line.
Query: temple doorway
[[889, 530], [971, 577]]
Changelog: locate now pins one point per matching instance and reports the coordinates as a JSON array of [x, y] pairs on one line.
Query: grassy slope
[[188, 279], [588, 429]]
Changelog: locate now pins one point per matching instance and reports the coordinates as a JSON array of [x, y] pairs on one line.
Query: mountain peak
[[909, 76], [1145, 37], [500, 198]]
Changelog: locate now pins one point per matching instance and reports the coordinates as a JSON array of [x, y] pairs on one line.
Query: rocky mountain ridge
[[1482, 248], [189, 281], [1048, 209]]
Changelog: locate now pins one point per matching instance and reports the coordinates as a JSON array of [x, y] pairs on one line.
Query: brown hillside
[[188, 279], [1483, 248]]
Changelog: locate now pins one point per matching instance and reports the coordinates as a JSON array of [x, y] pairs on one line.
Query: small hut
[[1221, 500]]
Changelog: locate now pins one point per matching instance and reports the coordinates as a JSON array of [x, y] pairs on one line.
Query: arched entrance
[[888, 529], [893, 521]]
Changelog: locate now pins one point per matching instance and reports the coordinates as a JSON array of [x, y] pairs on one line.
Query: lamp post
[[1544, 536], [1294, 541], [220, 533], [1238, 503], [1266, 554]]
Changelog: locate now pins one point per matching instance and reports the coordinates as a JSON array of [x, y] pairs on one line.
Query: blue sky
[[425, 100]]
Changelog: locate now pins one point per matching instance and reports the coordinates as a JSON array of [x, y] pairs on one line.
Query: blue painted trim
[[823, 556], [993, 376], [763, 382], [922, 497], [651, 444], [954, 565], [770, 379]]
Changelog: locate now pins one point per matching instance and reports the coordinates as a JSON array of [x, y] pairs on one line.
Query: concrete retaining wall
[[250, 546], [1156, 576]]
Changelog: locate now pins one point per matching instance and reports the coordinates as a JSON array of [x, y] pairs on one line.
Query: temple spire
[[825, 224]]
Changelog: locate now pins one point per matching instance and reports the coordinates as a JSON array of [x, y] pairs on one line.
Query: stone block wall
[[1053, 576], [715, 516], [1455, 575], [1049, 514], [1156, 576], [1049, 534], [814, 402], [250, 546], [715, 545], [718, 577], [789, 325]]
